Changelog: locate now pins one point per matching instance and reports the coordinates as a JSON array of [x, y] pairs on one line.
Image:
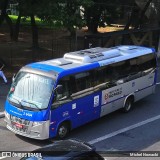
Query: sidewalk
[[3, 94]]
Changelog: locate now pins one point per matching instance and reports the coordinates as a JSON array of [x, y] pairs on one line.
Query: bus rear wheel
[[128, 105], [63, 131]]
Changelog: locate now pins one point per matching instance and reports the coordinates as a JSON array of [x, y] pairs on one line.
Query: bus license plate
[[18, 125]]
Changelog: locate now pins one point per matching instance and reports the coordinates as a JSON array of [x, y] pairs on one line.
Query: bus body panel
[[81, 110], [27, 123], [89, 104], [113, 98]]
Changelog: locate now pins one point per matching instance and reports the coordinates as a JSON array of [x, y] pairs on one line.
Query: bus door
[[85, 108], [78, 109], [60, 112], [86, 103]]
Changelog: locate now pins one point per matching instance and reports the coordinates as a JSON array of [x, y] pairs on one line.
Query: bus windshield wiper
[[30, 103], [12, 98]]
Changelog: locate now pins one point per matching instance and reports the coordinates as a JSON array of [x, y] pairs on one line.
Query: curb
[[2, 115]]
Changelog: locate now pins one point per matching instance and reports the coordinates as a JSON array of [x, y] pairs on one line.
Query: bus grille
[[19, 124]]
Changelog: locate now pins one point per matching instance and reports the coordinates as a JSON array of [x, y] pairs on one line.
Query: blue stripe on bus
[[45, 67], [42, 115], [153, 50], [145, 88]]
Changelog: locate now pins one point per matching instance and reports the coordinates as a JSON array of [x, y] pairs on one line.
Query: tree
[[3, 8], [102, 12], [30, 8], [4, 15], [70, 15], [92, 15], [67, 13]]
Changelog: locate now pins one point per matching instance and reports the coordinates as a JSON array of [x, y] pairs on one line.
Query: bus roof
[[82, 60]]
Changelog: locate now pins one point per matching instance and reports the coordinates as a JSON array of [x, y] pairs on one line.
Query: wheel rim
[[128, 105], [62, 131]]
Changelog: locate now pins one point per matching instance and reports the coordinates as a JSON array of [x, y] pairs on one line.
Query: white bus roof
[[103, 56]]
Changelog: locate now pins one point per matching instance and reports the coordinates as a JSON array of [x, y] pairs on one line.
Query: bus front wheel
[[63, 131], [128, 105]]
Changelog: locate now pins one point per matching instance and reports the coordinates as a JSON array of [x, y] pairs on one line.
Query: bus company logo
[[66, 113], [106, 96], [113, 93]]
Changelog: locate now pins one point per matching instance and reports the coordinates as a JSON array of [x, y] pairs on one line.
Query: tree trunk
[[16, 28], [131, 17], [92, 20], [10, 24], [4, 16], [3, 9], [93, 28], [34, 32]]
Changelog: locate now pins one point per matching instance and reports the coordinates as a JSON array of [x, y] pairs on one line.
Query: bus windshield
[[31, 91]]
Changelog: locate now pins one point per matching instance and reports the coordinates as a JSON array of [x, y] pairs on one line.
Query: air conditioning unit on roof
[[91, 55]]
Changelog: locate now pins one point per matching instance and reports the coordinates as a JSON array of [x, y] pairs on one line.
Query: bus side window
[[133, 66], [103, 76], [99, 76], [91, 79], [72, 85], [118, 72], [147, 63], [134, 71], [82, 81], [66, 90]]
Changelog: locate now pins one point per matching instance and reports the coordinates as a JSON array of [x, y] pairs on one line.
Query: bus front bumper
[[31, 129]]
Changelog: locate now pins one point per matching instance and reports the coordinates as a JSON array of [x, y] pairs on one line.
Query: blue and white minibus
[[50, 98]]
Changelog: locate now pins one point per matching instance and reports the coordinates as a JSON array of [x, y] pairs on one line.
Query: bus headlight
[[7, 115], [37, 123]]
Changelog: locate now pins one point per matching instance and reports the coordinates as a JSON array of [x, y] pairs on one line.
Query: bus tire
[[63, 130], [128, 105]]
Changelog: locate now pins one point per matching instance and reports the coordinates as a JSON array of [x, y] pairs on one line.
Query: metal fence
[[146, 37], [17, 54]]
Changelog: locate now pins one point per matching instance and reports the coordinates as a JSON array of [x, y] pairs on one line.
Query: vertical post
[[76, 40], [70, 43], [85, 42], [52, 42], [52, 48], [158, 47], [102, 42], [11, 60]]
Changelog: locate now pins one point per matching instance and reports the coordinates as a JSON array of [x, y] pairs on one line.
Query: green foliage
[[26, 21], [64, 13], [102, 12]]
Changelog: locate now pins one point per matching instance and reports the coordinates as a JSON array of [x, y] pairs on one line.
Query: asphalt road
[[137, 130]]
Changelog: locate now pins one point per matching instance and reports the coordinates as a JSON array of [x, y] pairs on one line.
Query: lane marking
[[123, 130]]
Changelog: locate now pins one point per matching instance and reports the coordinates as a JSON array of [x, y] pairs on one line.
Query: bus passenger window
[[103, 77], [83, 81], [147, 63], [66, 91]]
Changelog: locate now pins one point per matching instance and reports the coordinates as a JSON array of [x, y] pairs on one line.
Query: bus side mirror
[[13, 78], [59, 89]]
